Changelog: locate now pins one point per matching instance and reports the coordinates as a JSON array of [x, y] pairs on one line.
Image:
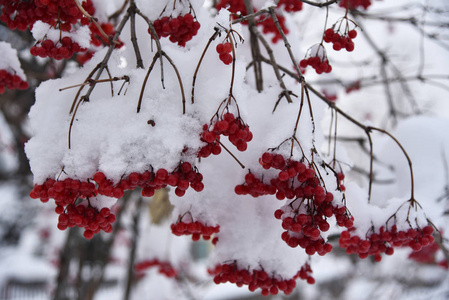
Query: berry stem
[[233, 156], [231, 39], [157, 56], [213, 37], [412, 181]]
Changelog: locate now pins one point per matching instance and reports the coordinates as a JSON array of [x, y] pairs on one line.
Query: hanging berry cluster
[[224, 50], [98, 39], [428, 255], [254, 279], [385, 240], [83, 215], [228, 125], [72, 198], [22, 15], [237, 7], [316, 58], [182, 177], [179, 30], [11, 81], [321, 65], [305, 217], [163, 267], [62, 49], [198, 230], [340, 41], [234, 6], [354, 4]]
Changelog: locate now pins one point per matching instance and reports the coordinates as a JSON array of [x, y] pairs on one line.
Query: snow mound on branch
[[105, 133], [9, 60], [80, 35]]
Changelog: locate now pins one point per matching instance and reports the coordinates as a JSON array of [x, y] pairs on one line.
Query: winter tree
[[301, 144]]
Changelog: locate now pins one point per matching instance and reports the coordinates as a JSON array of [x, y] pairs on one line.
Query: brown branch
[[273, 63], [255, 49], [139, 62], [286, 44]]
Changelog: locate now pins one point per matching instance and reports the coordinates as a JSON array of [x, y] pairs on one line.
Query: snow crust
[[9, 60]]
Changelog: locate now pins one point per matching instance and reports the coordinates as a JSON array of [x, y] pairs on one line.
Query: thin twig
[[230, 153], [213, 37]]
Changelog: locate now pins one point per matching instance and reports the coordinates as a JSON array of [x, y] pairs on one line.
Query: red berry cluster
[[234, 128], [224, 50], [305, 217], [23, 14], [11, 81], [268, 26], [84, 57], [179, 30], [427, 255], [19, 14], [353, 4], [303, 228], [254, 187], [254, 279], [234, 6], [291, 173], [385, 241], [290, 5], [97, 39], [196, 229], [305, 274], [321, 65], [67, 192], [64, 11], [210, 147], [340, 41], [64, 192], [85, 216], [163, 267], [182, 177], [62, 49]]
